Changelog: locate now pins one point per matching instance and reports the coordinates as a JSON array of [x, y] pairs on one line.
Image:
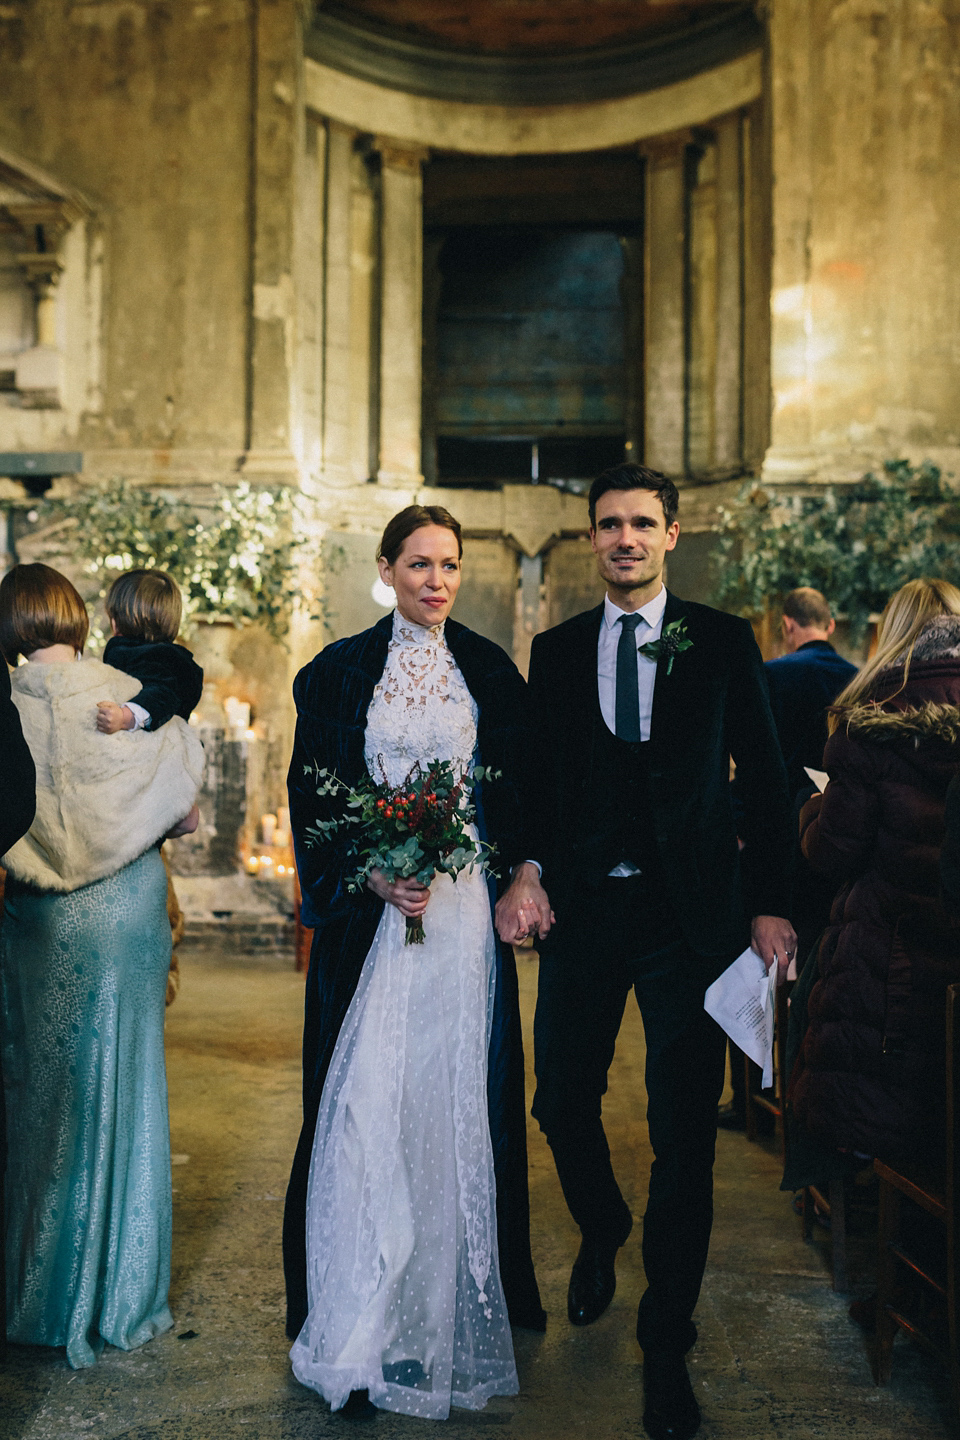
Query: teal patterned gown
[[89, 1206]]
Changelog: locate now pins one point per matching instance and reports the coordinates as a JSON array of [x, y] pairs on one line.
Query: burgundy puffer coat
[[870, 1073]]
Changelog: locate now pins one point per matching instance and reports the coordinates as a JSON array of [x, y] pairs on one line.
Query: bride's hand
[[409, 896]]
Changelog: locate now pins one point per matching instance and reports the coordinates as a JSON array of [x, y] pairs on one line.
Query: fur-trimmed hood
[[938, 640], [102, 800], [917, 704], [929, 721]]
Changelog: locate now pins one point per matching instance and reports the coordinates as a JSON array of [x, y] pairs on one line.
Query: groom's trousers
[[616, 937]]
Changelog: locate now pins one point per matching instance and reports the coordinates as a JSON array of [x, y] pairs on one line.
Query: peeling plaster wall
[[866, 289], [146, 108]]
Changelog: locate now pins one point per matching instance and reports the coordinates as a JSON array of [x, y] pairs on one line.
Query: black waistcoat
[[620, 787]]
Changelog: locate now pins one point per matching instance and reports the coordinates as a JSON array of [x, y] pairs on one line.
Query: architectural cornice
[[34, 184], [417, 67]]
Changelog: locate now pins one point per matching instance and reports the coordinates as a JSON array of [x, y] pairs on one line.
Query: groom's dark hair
[[636, 477]]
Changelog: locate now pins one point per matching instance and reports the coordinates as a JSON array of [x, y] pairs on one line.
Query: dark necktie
[[628, 685]]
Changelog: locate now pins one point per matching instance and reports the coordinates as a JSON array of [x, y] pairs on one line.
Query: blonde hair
[[906, 613], [39, 607], [145, 605]]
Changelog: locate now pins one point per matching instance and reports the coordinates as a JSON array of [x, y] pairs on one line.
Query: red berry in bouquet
[[415, 830]]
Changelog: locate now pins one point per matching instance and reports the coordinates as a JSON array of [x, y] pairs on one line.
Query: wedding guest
[[145, 608], [408, 1255], [18, 804], [870, 1070], [950, 854], [84, 955], [802, 685], [18, 786], [637, 706], [804, 682]]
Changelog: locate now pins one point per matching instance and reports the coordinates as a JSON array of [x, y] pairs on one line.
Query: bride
[[406, 1231]]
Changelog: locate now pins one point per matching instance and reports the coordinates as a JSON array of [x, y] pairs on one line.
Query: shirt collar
[[652, 612]]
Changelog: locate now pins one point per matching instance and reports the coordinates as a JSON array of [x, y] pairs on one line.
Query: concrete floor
[[777, 1356]]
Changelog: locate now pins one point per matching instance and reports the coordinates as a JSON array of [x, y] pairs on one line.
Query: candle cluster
[[274, 858]]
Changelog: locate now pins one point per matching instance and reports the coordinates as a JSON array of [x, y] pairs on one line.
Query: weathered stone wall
[[866, 285], [146, 109]]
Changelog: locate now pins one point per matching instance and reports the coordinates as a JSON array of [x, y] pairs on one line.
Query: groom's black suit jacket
[[712, 705]]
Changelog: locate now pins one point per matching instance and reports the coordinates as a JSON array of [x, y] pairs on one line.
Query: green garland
[[856, 543], [238, 560]]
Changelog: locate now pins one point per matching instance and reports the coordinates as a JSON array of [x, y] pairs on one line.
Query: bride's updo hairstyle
[[38, 608], [406, 522]]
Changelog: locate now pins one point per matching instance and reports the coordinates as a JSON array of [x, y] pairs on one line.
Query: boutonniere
[[673, 641]]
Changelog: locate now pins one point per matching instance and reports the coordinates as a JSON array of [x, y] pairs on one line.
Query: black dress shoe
[[358, 1406], [730, 1118], [670, 1411], [593, 1281]]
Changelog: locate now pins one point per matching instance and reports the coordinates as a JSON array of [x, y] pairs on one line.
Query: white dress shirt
[[651, 624]]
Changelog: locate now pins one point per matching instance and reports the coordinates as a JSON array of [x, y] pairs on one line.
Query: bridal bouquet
[[412, 830]]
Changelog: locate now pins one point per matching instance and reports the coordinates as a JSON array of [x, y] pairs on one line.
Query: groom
[[637, 707]]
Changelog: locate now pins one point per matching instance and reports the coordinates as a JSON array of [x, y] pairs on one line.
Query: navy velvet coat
[[332, 695]]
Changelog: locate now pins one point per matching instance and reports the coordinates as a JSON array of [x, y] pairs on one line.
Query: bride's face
[[425, 575]]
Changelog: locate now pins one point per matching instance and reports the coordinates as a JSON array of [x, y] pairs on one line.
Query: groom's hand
[[524, 908], [774, 939]]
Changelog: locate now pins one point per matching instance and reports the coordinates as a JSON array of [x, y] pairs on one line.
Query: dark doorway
[[528, 358]]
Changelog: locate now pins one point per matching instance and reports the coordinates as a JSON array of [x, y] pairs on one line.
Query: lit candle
[[268, 828], [266, 867], [253, 864]]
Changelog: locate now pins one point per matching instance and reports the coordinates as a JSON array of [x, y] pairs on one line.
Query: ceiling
[[527, 27]]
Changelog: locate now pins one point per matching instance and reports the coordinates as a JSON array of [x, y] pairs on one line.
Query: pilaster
[[664, 311], [401, 327], [276, 120]]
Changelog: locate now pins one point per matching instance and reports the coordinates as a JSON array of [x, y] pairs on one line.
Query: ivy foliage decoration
[[238, 559], [856, 543]]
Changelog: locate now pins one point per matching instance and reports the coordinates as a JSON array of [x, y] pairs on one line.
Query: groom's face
[[631, 540]]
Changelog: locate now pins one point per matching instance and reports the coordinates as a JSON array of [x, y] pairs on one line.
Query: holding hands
[[524, 908]]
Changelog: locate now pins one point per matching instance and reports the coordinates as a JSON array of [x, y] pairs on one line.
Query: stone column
[[276, 139], [792, 81], [363, 298], [311, 205], [756, 286], [39, 370], [664, 294], [401, 322], [701, 306], [728, 379], [337, 277]]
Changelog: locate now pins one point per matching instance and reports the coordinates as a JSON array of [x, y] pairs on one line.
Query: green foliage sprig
[[238, 559], [416, 829], [857, 543]]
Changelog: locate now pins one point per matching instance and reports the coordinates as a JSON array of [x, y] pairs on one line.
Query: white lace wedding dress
[[403, 1280]]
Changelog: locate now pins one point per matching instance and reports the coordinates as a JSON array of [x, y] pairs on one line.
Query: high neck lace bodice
[[421, 707]]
